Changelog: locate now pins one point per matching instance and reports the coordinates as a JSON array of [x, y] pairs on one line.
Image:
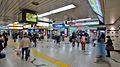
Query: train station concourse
[[59, 33]]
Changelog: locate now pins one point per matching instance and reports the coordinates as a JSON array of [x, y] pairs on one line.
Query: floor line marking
[[59, 63]]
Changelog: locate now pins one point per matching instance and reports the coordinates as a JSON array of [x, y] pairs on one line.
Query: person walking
[[2, 55], [15, 36], [1, 41], [25, 44], [58, 40], [35, 40], [109, 44], [83, 42], [78, 40], [5, 39], [73, 39]]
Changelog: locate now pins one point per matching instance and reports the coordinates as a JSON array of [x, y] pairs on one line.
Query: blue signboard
[[101, 28], [58, 25], [1, 27]]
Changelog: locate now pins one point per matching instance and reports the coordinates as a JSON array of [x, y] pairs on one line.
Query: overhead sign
[[15, 27], [31, 17], [42, 24], [1, 27], [27, 16], [27, 26], [58, 25], [83, 23], [71, 23], [72, 27], [101, 28]]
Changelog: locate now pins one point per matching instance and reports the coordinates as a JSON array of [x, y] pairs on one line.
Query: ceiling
[[9, 9], [111, 11]]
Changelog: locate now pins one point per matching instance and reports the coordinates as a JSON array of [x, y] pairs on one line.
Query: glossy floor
[[49, 54]]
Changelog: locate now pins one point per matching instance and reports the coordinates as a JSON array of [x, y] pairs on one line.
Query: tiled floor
[[67, 54]]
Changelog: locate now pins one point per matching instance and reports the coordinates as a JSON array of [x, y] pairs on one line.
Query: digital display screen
[[31, 17], [100, 18], [95, 4], [20, 17]]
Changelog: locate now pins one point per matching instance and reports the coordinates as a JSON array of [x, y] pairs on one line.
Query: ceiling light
[[112, 28], [63, 8], [82, 19], [45, 14], [58, 10], [16, 22]]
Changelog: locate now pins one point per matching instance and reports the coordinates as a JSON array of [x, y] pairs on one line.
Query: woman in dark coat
[[73, 39], [108, 43], [1, 41]]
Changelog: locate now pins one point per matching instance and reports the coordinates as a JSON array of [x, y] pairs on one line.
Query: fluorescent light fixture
[[10, 25], [112, 28], [16, 22], [58, 10], [63, 8], [44, 14], [82, 19]]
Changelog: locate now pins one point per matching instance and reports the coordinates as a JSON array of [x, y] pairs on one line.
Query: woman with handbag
[[83, 42], [109, 46]]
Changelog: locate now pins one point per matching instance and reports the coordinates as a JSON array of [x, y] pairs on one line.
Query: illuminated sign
[[20, 17], [27, 16], [31, 17], [73, 27], [1, 27], [84, 23], [27, 26], [71, 23], [96, 6], [15, 27], [44, 24], [58, 25]]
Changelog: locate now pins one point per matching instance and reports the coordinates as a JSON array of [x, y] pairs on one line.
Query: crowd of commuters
[[76, 38], [79, 37]]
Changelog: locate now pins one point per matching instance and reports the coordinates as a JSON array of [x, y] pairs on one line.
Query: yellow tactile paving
[[59, 63]]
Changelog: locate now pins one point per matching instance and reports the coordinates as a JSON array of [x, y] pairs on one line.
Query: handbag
[[18, 53], [73, 40], [110, 48], [82, 42]]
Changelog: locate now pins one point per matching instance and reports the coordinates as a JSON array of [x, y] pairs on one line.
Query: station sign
[[58, 25], [27, 26], [15, 27], [71, 23], [1, 27], [101, 28], [85, 23]]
